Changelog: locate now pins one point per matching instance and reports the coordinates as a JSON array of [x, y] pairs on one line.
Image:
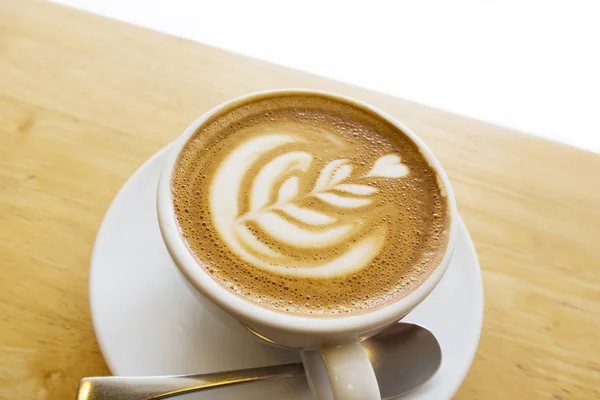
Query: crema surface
[[308, 205]]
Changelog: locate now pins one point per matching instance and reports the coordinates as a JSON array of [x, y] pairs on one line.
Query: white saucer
[[148, 323]]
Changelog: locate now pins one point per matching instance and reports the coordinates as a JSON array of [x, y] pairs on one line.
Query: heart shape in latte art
[[290, 217]]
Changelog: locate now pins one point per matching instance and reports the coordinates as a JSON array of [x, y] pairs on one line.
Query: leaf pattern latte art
[[278, 208]]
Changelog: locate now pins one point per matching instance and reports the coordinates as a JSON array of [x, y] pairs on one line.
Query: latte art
[[275, 199], [307, 205]]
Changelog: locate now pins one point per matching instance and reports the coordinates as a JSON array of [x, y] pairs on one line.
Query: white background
[[530, 65]]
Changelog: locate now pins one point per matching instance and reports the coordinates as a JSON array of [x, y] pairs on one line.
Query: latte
[[310, 205]]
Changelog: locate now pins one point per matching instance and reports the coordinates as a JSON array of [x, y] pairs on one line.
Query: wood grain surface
[[85, 100]]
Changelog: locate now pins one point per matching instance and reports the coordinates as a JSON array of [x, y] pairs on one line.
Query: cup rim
[[246, 310]]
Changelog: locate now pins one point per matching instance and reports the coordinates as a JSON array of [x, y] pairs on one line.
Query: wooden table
[[85, 100]]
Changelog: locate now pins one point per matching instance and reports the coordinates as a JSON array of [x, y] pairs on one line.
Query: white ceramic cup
[[336, 364]]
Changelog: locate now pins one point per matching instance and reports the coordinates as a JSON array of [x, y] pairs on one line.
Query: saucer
[[147, 321]]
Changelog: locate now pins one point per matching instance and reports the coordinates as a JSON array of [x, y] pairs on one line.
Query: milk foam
[[311, 206], [280, 218]]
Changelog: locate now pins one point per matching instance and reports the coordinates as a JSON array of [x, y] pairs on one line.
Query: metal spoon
[[403, 355]]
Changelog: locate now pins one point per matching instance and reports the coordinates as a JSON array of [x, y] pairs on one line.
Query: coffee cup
[[224, 214]]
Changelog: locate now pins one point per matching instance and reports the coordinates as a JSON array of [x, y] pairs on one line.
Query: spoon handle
[[161, 387]]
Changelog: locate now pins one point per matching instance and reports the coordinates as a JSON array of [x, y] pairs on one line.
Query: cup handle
[[341, 372]]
